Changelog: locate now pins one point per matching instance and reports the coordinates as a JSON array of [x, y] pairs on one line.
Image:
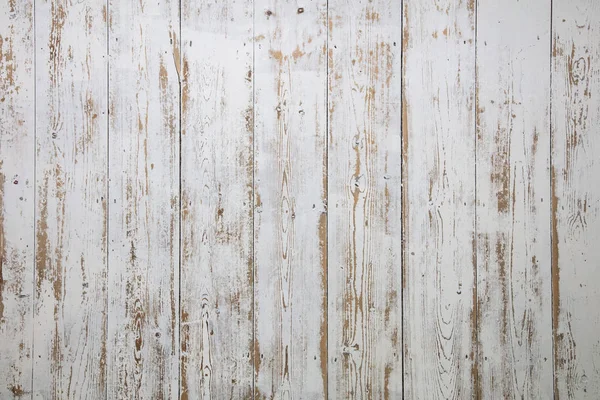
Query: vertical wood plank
[[216, 275], [365, 350], [439, 194], [576, 197], [71, 189], [143, 261], [17, 180], [290, 199], [513, 199]]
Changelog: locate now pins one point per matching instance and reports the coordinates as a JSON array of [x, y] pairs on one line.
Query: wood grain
[[273, 199], [513, 199], [439, 194], [365, 349], [290, 199], [216, 275], [17, 186], [576, 198], [143, 261], [70, 334]]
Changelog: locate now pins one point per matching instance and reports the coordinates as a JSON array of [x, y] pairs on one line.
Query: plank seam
[[108, 17], [553, 266], [475, 333], [179, 78], [403, 180], [326, 310], [253, 206], [34, 286]]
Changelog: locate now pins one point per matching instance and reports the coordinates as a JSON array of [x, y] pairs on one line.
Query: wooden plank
[[575, 197], [513, 192], [71, 200], [290, 199], [216, 274], [17, 179], [143, 340], [365, 329], [438, 199]]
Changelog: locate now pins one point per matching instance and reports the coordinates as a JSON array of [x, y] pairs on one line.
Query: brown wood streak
[[2, 232], [405, 155], [285, 220], [555, 274], [405, 187], [323, 244]]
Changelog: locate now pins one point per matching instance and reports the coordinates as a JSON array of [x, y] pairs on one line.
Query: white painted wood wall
[[274, 199]]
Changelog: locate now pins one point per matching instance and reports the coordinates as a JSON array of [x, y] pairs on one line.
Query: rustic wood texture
[[513, 199], [17, 186], [575, 194], [290, 216], [439, 199], [364, 175], [70, 331], [143, 318], [216, 276], [272, 199]]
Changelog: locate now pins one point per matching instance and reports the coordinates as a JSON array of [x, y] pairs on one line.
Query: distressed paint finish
[[439, 194], [17, 182], [330, 199], [364, 174], [290, 200], [71, 188], [143, 319], [513, 199], [216, 271], [576, 198]]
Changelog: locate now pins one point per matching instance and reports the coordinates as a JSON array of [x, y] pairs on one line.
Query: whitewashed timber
[[216, 172], [143, 207], [365, 224], [513, 200], [17, 201], [575, 215], [290, 199], [320, 199], [70, 312]]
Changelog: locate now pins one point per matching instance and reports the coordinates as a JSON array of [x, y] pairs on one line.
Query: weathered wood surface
[[575, 218], [143, 208], [216, 269], [70, 328], [439, 199], [364, 175], [17, 185], [290, 199], [272, 199], [513, 199]]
